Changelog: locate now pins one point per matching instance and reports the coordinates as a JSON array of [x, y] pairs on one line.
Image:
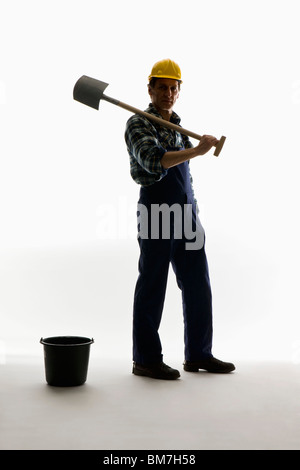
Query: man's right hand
[[174, 158], [205, 144]]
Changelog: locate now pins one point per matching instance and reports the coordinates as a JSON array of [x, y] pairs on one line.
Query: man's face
[[164, 94]]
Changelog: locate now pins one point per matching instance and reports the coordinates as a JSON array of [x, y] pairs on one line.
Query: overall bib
[[190, 268]]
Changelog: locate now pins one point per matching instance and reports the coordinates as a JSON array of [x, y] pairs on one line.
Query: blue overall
[[191, 271]]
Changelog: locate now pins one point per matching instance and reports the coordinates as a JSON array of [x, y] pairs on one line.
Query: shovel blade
[[89, 91]]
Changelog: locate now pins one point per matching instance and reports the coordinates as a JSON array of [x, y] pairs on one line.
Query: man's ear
[[150, 91]]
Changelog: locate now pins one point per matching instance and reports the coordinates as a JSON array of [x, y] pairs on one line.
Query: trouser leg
[[149, 300], [191, 270]]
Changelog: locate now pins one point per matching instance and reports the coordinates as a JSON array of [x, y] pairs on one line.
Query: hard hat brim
[[165, 76]]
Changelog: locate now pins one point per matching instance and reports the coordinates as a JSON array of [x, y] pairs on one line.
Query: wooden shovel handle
[[163, 122]]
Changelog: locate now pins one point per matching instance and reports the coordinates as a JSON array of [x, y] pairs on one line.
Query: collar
[[174, 117]]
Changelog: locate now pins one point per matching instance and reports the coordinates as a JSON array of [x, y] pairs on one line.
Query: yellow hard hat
[[166, 68]]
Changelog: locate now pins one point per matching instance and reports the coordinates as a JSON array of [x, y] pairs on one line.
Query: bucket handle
[[42, 339]]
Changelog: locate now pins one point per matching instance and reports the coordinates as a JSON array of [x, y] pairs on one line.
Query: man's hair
[[154, 80]]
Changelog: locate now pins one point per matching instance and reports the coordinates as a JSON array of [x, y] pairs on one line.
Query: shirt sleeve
[[143, 145]]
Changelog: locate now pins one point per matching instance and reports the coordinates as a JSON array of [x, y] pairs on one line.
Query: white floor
[[256, 407]]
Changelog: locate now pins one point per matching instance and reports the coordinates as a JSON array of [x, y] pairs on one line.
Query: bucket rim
[[49, 341]]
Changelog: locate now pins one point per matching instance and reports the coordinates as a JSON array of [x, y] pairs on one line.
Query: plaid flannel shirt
[[147, 142]]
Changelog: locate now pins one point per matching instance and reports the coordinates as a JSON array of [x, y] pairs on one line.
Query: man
[[159, 162]]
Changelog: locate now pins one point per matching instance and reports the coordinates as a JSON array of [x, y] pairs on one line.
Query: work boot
[[156, 371], [210, 364]]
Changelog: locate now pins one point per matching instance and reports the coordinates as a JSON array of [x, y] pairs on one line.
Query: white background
[[66, 267]]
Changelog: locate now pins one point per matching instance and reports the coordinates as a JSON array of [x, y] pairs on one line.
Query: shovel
[[90, 91]]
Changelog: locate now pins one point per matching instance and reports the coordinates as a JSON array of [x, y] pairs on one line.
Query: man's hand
[[174, 158], [205, 144]]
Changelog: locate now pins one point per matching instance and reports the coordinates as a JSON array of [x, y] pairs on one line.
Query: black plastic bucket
[[66, 359]]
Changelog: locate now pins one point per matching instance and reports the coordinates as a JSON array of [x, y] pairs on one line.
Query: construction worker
[[159, 163]]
